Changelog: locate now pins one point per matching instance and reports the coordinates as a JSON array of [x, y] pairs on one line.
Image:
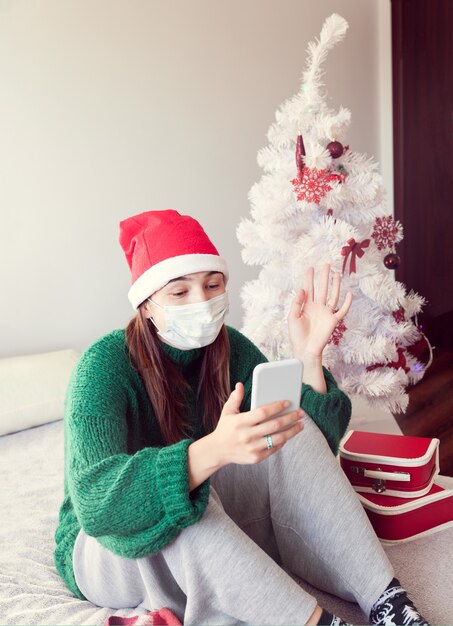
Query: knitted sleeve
[[134, 504], [330, 411]]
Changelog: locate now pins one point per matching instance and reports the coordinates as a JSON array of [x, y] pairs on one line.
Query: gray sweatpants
[[295, 511]]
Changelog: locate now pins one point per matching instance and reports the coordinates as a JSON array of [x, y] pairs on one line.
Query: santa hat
[[161, 245]]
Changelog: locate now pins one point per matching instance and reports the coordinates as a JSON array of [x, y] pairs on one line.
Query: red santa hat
[[161, 245]]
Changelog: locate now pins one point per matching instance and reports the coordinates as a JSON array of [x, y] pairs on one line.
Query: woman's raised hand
[[313, 317], [240, 437]]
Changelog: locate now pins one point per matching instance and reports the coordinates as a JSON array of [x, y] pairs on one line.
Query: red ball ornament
[[335, 148], [392, 261], [420, 349]]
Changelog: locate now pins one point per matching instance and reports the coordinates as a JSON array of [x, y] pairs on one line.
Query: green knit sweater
[[122, 484]]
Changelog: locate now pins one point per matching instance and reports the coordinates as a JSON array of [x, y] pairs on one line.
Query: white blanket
[[32, 592]]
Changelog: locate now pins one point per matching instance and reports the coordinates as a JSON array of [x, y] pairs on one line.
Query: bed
[[31, 490]]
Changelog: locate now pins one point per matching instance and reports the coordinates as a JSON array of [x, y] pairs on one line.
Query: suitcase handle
[[380, 476]]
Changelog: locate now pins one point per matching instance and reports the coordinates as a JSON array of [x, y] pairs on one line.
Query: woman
[[176, 493]]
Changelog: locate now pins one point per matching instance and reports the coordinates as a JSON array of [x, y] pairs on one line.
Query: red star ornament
[[312, 185], [399, 315], [385, 231], [338, 332]]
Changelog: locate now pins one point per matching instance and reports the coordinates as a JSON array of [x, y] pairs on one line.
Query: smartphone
[[277, 380]]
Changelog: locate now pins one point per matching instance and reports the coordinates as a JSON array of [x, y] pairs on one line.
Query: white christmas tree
[[320, 202]]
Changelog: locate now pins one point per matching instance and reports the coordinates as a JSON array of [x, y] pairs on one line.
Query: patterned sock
[[327, 619], [394, 607]]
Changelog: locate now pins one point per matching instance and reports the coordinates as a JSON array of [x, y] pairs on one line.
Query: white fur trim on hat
[[158, 275]]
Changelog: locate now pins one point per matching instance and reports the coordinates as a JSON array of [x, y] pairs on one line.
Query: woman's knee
[[104, 578]]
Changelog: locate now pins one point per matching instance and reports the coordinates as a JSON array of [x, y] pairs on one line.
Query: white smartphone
[[277, 380]]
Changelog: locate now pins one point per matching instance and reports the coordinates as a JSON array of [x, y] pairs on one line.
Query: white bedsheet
[[31, 491], [31, 591]]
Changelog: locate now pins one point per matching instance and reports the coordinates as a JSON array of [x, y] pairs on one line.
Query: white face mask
[[196, 325]]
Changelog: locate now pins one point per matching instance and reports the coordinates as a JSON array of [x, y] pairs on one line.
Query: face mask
[[196, 325]]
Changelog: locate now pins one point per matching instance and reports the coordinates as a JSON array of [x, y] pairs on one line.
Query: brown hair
[[166, 385]]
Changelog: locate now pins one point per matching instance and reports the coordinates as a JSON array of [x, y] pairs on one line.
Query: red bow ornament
[[400, 363], [355, 248]]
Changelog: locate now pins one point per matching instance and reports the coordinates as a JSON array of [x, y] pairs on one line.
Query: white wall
[[113, 107], [385, 113]]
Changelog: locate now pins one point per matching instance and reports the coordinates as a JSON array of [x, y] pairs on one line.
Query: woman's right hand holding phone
[[241, 437]]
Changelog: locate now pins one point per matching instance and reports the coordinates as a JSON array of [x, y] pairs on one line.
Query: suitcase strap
[[380, 476]]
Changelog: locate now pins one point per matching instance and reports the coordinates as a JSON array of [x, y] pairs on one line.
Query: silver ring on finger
[[332, 308], [269, 443]]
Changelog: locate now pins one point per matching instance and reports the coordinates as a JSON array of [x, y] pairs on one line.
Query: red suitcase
[[395, 465], [400, 519]]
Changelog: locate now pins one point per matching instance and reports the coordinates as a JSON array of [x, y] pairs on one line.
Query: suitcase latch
[[378, 484], [380, 476]]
